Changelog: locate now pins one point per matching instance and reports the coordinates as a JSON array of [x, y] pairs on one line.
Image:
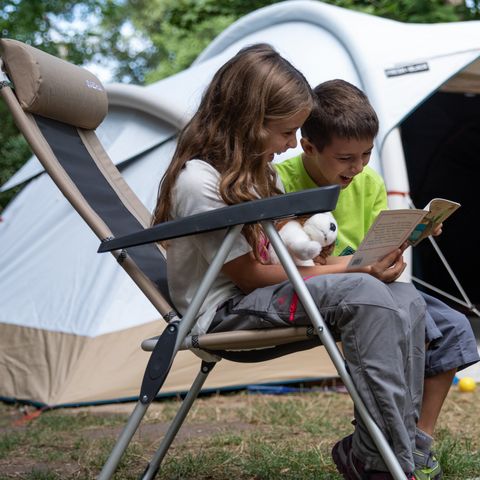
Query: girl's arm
[[248, 273]]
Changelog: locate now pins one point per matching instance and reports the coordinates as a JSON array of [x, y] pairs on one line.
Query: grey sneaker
[[427, 466], [352, 468]]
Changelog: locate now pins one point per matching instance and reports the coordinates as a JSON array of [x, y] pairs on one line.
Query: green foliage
[[13, 152], [180, 29], [47, 25], [414, 11], [182, 46]]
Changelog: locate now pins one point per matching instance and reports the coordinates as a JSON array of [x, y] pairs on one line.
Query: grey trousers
[[382, 329]]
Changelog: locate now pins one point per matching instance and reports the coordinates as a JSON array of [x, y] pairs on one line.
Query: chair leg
[[154, 465], [332, 349], [123, 441], [158, 369]]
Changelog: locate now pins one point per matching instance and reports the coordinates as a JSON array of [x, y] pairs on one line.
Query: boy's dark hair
[[340, 110]]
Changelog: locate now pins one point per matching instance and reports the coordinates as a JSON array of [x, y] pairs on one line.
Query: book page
[[388, 232], [439, 209]]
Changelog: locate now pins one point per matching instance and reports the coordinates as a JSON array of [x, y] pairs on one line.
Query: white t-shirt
[[196, 191]]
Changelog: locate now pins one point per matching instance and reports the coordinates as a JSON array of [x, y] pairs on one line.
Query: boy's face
[[338, 162]]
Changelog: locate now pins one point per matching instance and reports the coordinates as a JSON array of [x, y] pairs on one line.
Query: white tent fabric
[[51, 279]]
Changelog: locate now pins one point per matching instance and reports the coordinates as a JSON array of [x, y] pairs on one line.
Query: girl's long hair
[[228, 130]]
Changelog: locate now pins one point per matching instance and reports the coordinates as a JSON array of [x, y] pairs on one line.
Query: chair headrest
[[48, 86]]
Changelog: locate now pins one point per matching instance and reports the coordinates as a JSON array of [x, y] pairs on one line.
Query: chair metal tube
[[332, 349], [123, 441], [177, 422], [188, 320]]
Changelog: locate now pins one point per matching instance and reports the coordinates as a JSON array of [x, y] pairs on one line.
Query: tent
[[71, 321]]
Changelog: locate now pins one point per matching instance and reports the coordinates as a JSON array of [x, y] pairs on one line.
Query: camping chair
[[57, 107]]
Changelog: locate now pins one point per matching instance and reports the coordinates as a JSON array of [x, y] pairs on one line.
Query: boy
[[337, 140]]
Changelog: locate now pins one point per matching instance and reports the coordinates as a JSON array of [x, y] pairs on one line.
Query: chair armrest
[[322, 199]]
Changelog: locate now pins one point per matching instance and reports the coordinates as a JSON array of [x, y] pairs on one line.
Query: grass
[[236, 436]]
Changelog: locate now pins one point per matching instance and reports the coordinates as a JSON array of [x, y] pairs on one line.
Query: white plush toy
[[306, 239]]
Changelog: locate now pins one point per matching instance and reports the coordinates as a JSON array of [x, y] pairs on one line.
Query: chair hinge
[[122, 256], [171, 315]]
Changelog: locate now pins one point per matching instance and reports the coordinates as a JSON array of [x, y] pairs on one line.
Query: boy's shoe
[[352, 468], [427, 466]]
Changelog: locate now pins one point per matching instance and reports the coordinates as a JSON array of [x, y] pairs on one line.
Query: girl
[[251, 110]]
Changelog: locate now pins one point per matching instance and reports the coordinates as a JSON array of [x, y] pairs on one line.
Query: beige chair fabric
[[48, 86]]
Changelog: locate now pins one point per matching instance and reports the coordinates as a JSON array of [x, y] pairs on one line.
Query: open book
[[393, 227]]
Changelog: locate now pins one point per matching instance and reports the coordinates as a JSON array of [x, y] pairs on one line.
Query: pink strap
[[263, 249], [294, 302]]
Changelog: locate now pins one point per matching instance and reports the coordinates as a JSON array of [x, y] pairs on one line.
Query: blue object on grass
[[273, 389]]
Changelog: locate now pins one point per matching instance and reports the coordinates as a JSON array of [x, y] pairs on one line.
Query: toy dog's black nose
[[333, 227]]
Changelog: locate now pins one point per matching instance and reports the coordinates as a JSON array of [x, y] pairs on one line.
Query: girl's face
[[338, 162], [282, 134]]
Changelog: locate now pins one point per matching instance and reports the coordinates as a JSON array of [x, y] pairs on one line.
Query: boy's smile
[[339, 162]]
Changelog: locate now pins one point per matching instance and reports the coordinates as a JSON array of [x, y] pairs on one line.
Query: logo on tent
[[405, 69]]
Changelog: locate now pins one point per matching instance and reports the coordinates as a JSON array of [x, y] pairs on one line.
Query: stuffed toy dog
[[306, 237]]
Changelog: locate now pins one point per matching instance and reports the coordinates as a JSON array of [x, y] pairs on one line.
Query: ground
[[234, 436]]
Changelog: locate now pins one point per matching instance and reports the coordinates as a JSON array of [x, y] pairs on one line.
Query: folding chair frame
[[176, 334], [187, 323]]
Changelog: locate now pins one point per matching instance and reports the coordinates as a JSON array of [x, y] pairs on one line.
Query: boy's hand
[[389, 268], [437, 230]]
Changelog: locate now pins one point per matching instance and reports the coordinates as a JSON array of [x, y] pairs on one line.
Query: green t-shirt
[[357, 207]]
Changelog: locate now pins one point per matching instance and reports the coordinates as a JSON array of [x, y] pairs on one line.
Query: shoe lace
[[425, 460]]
